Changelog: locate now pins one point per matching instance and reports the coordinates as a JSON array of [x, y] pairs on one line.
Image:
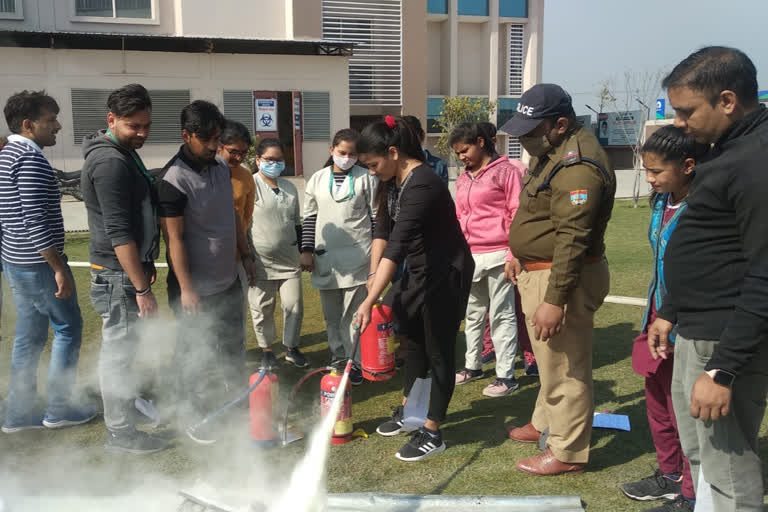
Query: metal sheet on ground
[[414, 503]]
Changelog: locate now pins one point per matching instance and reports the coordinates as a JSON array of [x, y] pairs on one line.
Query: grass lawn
[[480, 460]]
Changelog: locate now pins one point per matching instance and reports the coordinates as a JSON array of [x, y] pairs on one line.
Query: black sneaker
[[202, 434], [422, 445], [394, 426], [654, 487], [268, 360], [680, 504], [488, 357], [134, 441], [294, 355], [355, 375], [532, 370]]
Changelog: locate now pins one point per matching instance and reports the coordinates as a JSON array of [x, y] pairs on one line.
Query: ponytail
[[379, 136]]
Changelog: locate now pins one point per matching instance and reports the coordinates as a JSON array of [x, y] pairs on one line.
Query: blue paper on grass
[[614, 421]]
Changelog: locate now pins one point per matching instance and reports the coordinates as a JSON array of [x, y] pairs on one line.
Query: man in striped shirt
[[36, 269]]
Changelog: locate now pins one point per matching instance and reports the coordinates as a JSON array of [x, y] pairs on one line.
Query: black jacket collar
[[742, 127]]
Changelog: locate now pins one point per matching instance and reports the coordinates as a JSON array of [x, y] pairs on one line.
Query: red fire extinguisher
[[261, 401], [378, 345], [329, 386]]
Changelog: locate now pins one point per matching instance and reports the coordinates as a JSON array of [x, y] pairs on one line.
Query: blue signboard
[[660, 108]]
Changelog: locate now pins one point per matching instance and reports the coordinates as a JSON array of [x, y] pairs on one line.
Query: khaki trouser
[[339, 308], [263, 299], [565, 403]]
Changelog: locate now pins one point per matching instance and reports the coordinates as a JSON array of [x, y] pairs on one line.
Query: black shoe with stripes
[[422, 445]]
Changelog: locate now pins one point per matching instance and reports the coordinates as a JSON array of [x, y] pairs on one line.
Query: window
[[11, 10], [375, 68], [89, 113], [516, 58], [473, 7], [115, 9], [238, 106], [514, 148], [317, 115], [437, 6]]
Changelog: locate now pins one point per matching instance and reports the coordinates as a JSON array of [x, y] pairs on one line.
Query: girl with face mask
[[275, 236], [487, 198], [336, 242], [416, 223]]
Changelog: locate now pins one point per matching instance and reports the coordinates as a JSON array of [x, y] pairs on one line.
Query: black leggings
[[432, 331]]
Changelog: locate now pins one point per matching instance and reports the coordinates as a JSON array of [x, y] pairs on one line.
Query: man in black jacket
[[122, 219], [716, 269]]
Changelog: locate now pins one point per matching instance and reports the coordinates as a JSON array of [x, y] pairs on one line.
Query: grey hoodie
[[120, 201]]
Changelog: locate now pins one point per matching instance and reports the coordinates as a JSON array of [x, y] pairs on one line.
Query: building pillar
[[494, 53], [535, 44], [414, 58], [453, 59]]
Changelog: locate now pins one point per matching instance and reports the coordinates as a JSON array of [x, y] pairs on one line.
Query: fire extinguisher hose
[[355, 345], [243, 396], [294, 391]]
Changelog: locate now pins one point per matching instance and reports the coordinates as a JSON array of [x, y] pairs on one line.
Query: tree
[[457, 110], [640, 90], [249, 160]]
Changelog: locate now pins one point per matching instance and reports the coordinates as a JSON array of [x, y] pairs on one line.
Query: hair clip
[[390, 122]]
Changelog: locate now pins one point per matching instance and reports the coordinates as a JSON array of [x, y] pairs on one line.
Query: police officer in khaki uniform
[[560, 269]]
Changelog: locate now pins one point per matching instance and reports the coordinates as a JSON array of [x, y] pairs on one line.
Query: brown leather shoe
[[526, 434], [545, 464]]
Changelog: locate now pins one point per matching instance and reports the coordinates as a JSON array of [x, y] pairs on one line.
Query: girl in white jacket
[[336, 240]]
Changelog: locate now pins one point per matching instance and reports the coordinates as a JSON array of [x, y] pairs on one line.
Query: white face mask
[[344, 162]]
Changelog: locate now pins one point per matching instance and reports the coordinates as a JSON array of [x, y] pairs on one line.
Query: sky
[[589, 41]]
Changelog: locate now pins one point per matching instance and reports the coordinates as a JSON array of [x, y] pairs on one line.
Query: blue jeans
[[33, 289]]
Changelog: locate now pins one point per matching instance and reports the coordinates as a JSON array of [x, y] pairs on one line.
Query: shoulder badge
[[571, 157], [578, 197]]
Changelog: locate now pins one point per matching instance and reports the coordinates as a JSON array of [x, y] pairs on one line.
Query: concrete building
[[409, 55], [262, 62]]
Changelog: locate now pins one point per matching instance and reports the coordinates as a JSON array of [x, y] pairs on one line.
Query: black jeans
[[210, 349]]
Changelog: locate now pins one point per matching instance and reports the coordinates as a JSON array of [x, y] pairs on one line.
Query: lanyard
[[136, 159], [351, 192]]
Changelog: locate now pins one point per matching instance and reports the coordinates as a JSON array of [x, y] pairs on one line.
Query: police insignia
[[571, 157], [578, 197]]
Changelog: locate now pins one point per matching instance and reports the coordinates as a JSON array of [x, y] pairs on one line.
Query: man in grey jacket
[[118, 194]]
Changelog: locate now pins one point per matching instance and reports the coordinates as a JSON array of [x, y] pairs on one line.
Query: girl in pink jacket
[[487, 198]]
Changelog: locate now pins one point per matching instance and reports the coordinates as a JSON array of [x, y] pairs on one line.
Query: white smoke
[[67, 471]]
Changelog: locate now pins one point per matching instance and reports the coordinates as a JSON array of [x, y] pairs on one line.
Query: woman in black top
[[416, 222]]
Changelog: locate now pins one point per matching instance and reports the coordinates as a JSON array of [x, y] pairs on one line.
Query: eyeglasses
[[234, 152]]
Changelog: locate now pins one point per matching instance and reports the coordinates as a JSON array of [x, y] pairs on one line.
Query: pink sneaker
[[467, 375], [501, 387]]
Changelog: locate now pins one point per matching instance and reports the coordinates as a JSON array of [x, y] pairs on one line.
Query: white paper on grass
[[417, 403], [147, 408], [703, 495]]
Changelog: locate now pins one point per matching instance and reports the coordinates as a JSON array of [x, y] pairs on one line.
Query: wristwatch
[[722, 377]]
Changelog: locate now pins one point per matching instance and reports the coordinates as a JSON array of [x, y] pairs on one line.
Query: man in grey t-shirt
[[197, 215]]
